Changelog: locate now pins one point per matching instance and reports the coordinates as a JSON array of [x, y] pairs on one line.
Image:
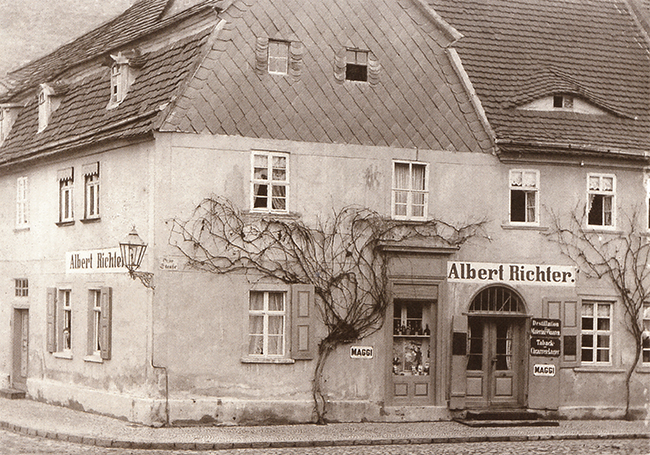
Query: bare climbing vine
[[341, 258]]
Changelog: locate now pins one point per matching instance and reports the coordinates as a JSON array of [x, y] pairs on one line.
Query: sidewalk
[[39, 419]]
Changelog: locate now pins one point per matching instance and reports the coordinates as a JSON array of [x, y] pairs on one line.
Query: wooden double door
[[496, 361]]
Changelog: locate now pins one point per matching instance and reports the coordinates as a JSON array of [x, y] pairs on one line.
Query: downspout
[[152, 217]]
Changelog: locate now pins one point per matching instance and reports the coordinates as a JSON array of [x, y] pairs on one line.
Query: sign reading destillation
[[545, 337], [487, 272], [94, 261]]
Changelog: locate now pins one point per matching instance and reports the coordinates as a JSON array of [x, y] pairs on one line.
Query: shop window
[[21, 287], [601, 194], [22, 204], [270, 182], [646, 334], [411, 338], [266, 324], [91, 190], [524, 196], [99, 324], [596, 333], [410, 190], [66, 201]]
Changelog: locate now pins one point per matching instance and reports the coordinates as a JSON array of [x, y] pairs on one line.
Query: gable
[[413, 96]]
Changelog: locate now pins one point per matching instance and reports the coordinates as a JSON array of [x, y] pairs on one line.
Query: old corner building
[[459, 110]]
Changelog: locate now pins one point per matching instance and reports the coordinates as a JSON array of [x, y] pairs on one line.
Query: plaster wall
[[206, 363], [38, 253]]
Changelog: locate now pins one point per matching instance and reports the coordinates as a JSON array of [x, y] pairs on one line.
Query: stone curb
[[199, 446]]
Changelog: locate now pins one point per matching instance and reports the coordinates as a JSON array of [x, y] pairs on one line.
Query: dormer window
[[8, 113], [123, 73], [278, 57], [49, 99], [356, 65], [562, 102]]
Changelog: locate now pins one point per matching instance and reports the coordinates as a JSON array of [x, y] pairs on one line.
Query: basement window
[[356, 65]]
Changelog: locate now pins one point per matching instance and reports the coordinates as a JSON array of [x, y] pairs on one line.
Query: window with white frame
[[524, 196], [601, 197], [410, 190], [647, 199], [645, 357], [596, 332], [65, 325], [66, 202], [22, 205], [91, 190], [278, 57], [356, 65], [94, 319], [21, 287], [266, 323], [270, 182]]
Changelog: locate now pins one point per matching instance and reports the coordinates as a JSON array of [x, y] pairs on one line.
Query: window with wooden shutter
[[303, 341], [567, 312], [105, 323], [51, 319]]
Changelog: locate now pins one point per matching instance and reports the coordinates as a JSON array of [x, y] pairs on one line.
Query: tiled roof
[[515, 51], [141, 19], [83, 115], [419, 100]]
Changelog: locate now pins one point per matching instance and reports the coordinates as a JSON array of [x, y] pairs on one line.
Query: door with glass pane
[[412, 364], [495, 361]]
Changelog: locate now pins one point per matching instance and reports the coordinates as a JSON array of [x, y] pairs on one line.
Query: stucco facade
[[500, 322]]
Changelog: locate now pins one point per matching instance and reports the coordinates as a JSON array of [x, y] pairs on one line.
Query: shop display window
[[411, 338]]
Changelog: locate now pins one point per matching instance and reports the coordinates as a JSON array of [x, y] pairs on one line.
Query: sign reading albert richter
[[94, 261], [488, 272]]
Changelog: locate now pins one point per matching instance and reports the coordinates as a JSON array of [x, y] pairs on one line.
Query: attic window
[[49, 99], [562, 102], [123, 74], [356, 65], [278, 57]]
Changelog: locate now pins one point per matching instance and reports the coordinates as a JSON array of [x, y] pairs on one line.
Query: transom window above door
[[497, 300]]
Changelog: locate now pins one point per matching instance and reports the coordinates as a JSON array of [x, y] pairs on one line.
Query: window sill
[[280, 361], [261, 213], [65, 223], [63, 355], [645, 368], [602, 230], [598, 369], [90, 220], [21, 228], [93, 359], [523, 227]]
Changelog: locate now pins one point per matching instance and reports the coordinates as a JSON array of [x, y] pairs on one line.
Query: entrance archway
[[496, 357]]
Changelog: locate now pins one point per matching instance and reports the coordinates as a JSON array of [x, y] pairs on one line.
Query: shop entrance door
[[20, 349], [495, 363]]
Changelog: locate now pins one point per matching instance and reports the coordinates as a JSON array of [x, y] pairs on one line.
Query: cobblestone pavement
[[19, 444]]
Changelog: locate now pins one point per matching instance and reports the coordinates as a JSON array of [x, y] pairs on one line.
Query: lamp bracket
[[145, 277]]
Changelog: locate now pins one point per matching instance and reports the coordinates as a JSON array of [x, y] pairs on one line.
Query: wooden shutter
[[567, 312], [303, 342], [458, 388], [51, 319], [105, 326]]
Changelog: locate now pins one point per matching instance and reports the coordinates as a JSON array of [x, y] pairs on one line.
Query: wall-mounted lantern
[[132, 250]]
